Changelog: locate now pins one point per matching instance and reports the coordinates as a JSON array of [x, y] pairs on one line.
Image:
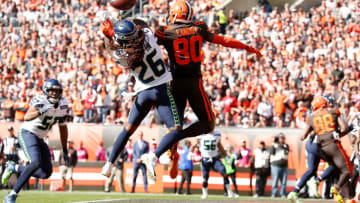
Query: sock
[[119, 145], [204, 191], [297, 189], [168, 141], [17, 168], [13, 192], [228, 189]]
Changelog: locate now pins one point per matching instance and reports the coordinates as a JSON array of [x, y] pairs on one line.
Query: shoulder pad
[[38, 101], [63, 104]]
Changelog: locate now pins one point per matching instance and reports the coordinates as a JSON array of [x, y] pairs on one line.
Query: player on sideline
[[45, 110], [210, 146], [330, 127], [134, 47], [183, 40]]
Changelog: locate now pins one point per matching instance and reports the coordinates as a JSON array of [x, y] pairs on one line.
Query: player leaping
[[44, 112], [135, 48], [183, 40]]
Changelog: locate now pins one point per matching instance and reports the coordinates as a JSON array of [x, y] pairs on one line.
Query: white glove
[[336, 136], [45, 108]]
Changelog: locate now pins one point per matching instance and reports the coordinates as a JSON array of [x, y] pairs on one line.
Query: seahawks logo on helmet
[[124, 32], [52, 90]]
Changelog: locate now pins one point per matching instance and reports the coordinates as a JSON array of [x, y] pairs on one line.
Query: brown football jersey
[[324, 123], [183, 43]]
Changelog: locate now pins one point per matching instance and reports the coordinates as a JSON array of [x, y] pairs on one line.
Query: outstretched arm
[[233, 43]]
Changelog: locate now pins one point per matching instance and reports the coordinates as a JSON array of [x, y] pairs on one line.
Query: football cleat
[[293, 197], [149, 160], [106, 169], [10, 169], [10, 198], [174, 157], [314, 187], [337, 195], [204, 193]]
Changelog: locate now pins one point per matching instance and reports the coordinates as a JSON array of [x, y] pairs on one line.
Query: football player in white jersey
[[44, 112], [135, 48], [210, 146]]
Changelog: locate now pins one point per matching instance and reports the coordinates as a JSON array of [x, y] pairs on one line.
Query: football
[[123, 4]]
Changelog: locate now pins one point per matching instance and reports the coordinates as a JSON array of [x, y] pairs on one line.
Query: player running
[[210, 146], [330, 127], [134, 47], [183, 40], [45, 110]]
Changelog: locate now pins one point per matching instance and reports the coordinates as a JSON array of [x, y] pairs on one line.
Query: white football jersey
[[41, 125], [209, 144], [153, 71]]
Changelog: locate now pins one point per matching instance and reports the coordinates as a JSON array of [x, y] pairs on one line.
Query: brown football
[[123, 4]]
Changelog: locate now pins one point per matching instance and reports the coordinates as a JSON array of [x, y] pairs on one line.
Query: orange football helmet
[[181, 12], [318, 102]]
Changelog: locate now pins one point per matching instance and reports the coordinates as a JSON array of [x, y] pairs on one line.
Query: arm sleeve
[[229, 42], [160, 34]]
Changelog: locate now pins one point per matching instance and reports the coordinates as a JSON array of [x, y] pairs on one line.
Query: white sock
[[17, 168], [228, 189], [12, 192], [205, 191]]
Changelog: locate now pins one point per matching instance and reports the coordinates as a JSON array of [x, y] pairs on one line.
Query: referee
[[10, 146]]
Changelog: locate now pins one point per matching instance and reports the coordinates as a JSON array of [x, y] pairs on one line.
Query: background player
[[326, 123], [134, 47], [210, 146], [44, 112]]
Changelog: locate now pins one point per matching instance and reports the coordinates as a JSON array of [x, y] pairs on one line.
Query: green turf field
[[60, 197]]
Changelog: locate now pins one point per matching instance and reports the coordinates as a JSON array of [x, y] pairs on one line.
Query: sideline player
[[183, 40], [210, 146], [134, 47], [45, 110], [326, 123]]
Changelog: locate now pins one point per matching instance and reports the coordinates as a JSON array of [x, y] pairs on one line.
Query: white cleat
[[204, 193], [149, 160], [314, 187], [293, 197], [204, 196], [106, 169]]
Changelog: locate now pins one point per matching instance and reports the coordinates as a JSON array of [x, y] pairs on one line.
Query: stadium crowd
[[306, 54]]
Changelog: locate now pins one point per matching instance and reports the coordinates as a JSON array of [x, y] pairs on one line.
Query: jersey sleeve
[[205, 31], [160, 34]]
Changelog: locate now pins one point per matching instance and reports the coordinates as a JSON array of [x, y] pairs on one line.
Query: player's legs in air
[[160, 97], [38, 154]]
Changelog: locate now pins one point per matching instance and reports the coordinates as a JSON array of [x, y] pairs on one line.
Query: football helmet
[[318, 103], [125, 31], [52, 90], [181, 12]]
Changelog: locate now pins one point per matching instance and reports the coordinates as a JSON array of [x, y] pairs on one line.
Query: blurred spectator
[[20, 107], [140, 147], [279, 153], [153, 145], [100, 152], [89, 96], [196, 155], [186, 167], [245, 153], [103, 103], [78, 109], [117, 170], [129, 149], [82, 152], [66, 169], [222, 21], [262, 168], [7, 108], [229, 163]]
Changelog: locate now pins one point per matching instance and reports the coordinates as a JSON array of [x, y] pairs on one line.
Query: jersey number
[[210, 144], [157, 67], [324, 124], [183, 55], [48, 122]]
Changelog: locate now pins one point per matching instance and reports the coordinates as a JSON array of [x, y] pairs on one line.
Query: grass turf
[[61, 197]]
